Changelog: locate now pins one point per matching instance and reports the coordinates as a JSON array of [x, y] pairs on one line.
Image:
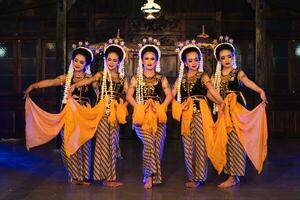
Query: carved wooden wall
[[29, 38]]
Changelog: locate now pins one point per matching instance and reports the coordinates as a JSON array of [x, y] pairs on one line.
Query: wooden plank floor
[[40, 175]]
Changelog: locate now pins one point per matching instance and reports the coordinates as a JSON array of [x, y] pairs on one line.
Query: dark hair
[[114, 49], [83, 52], [189, 50], [223, 47], [149, 49]]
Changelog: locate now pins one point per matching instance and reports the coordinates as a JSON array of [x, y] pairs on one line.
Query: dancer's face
[[112, 61], [149, 60], [192, 61], [79, 63], [226, 58]]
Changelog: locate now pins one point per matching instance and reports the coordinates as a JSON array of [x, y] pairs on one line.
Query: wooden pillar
[[61, 50], [61, 37], [260, 42], [218, 22]]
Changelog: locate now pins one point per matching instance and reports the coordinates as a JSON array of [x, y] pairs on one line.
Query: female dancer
[[228, 81], [191, 89], [112, 86], [78, 164], [149, 116]]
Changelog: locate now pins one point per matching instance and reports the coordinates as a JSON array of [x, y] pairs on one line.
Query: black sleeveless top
[[84, 95], [117, 87], [230, 83], [153, 87], [193, 87]]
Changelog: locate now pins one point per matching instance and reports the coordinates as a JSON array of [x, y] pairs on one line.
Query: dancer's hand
[[154, 108], [263, 97], [185, 105], [221, 107], [28, 90], [71, 90]]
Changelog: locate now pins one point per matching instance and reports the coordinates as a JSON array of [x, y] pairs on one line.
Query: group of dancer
[[224, 142]]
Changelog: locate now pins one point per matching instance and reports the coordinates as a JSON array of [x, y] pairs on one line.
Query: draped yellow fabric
[[218, 153], [161, 112], [41, 126], [149, 114], [85, 120], [187, 118], [150, 120], [122, 112], [208, 126], [138, 114], [176, 110], [208, 123], [80, 123], [251, 128]]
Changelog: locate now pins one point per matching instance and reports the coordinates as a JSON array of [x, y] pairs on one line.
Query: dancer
[[112, 86], [78, 164], [191, 88], [245, 131], [149, 117]]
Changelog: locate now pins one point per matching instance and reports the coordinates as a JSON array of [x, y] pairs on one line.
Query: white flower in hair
[[150, 39], [80, 43], [144, 40], [110, 41], [74, 46], [158, 43], [86, 43], [122, 43]]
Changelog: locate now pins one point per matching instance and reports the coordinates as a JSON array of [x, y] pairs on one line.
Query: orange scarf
[[149, 114], [251, 128], [80, 123], [208, 124]]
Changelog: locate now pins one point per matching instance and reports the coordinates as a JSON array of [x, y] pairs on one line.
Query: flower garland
[[181, 47]]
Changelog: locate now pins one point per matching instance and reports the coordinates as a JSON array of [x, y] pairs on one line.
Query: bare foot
[[113, 183], [191, 184], [231, 181], [74, 181], [85, 182], [148, 184]]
